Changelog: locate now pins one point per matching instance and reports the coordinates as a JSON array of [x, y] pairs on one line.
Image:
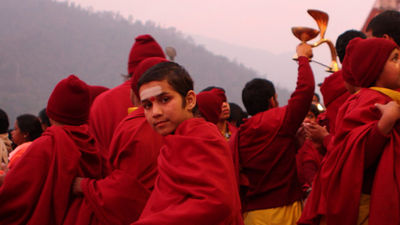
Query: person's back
[[267, 146], [110, 107], [358, 176], [37, 189]]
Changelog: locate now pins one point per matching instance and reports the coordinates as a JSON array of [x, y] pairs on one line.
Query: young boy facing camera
[[196, 183]]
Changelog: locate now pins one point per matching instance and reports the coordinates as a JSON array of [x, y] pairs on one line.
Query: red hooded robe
[[37, 189], [196, 184]]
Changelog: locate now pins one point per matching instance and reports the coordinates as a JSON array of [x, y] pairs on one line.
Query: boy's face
[[225, 111], [163, 106], [390, 76]]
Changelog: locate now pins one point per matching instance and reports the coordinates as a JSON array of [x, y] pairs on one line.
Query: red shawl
[[37, 189], [196, 184], [357, 146], [335, 94], [106, 112], [308, 160], [122, 195]]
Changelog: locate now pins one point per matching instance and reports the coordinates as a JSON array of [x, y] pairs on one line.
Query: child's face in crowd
[[225, 111], [163, 106], [17, 136], [310, 117], [390, 76]]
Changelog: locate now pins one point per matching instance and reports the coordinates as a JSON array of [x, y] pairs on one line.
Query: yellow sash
[[395, 95], [131, 109]]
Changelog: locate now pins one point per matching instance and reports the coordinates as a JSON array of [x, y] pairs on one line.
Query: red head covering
[[145, 46], [95, 91], [365, 59], [143, 67], [69, 102], [210, 102]]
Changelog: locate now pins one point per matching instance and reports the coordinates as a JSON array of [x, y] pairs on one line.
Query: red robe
[[335, 94], [361, 159], [37, 190], [106, 112], [196, 183], [121, 196], [267, 147], [308, 160]]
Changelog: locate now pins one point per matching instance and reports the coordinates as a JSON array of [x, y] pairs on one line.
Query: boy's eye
[[164, 99], [146, 105]]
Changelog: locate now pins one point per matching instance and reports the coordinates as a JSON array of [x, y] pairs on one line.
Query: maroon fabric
[[210, 103], [268, 145], [107, 110], [69, 103], [143, 67], [308, 160], [111, 107], [96, 91], [334, 94], [37, 190], [144, 47], [365, 59], [196, 184], [358, 147], [121, 196]]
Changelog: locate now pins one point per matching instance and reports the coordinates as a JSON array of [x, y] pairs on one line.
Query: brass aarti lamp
[[305, 34]]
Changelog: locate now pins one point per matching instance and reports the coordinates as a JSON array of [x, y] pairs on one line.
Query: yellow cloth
[[363, 211], [131, 109], [285, 215], [395, 95]]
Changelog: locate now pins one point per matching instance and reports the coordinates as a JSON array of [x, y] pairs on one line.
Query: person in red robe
[[196, 183], [111, 107], [267, 146], [359, 180], [120, 197], [36, 190]]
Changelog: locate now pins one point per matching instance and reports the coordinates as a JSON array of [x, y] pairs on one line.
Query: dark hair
[[387, 22], [44, 119], [237, 114], [209, 88], [343, 40], [30, 125], [314, 110], [175, 75], [4, 122], [256, 95]]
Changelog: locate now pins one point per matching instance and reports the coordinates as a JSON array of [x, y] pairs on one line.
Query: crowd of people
[[152, 151]]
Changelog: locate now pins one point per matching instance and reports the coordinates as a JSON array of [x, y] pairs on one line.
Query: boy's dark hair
[[343, 40], [209, 88], [314, 110], [30, 125], [4, 122], [237, 114], [256, 95], [44, 118], [387, 22], [173, 73]]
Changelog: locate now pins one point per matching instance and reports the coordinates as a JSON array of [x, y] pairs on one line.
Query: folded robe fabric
[[196, 183], [334, 94], [37, 190], [121, 196], [357, 145]]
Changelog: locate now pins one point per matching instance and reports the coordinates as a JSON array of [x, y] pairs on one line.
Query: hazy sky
[[262, 24]]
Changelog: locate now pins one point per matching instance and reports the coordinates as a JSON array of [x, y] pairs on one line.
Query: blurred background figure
[[27, 128], [5, 142], [44, 119], [237, 114]]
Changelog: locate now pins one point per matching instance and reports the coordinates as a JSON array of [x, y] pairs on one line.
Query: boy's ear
[[190, 100]]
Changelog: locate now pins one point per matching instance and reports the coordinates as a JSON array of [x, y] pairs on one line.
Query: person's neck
[[222, 126]]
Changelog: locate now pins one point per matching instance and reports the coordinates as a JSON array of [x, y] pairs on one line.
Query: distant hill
[[42, 41]]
